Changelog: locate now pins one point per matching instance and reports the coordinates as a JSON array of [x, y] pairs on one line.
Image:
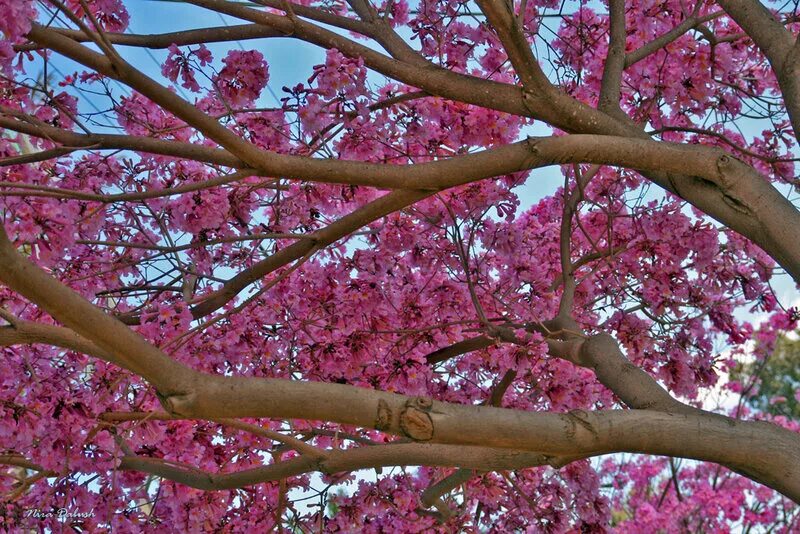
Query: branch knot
[[415, 421], [177, 404], [383, 421]]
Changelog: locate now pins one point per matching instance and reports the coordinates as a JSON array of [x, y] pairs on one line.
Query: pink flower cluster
[[243, 77]]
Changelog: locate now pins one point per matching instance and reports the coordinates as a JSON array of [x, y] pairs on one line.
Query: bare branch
[[693, 21], [615, 60]]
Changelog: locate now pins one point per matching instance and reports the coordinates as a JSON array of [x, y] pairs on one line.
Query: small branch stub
[[726, 166], [176, 404], [415, 422]]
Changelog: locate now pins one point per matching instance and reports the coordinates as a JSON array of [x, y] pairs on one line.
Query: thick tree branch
[[761, 450], [27, 332], [762, 213], [506, 25], [610, 88], [383, 33], [118, 343], [560, 110], [722, 172], [632, 385]]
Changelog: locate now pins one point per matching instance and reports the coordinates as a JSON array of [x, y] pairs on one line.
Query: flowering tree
[[216, 310]]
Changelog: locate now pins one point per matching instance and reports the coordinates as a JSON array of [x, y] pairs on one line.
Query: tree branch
[[237, 32], [660, 42], [610, 88], [189, 393], [336, 461]]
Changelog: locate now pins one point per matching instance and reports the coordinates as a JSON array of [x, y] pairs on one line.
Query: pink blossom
[[243, 77]]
